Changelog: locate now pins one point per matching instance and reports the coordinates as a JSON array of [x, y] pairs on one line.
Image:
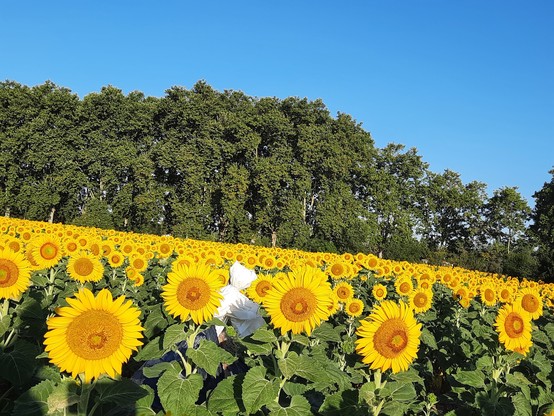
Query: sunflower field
[[102, 322]]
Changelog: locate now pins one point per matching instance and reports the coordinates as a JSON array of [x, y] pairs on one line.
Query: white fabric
[[236, 307]]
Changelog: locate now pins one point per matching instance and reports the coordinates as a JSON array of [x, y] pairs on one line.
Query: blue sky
[[469, 83]]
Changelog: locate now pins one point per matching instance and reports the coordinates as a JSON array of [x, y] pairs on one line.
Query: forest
[[225, 166]]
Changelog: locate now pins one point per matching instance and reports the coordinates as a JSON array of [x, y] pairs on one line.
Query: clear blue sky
[[469, 83]]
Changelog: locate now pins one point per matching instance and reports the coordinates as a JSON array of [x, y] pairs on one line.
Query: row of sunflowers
[[101, 322]]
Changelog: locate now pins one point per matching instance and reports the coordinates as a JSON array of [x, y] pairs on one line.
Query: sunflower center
[[343, 293], [420, 299], [391, 338], [514, 325], [262, 288], [337, 269], [489, 295], [404, 287], [298, 304], [530, 303], [9, 273], [193, 293], [379, 292], [505, 294], [71, 246], [354, 308], [94, 335], [83, 266], [48, 251]]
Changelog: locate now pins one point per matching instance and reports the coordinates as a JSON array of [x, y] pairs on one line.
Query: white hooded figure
[[240, 276], [236, 307]]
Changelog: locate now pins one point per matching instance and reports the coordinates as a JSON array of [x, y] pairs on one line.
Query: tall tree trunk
[[7, 212], [51, 217]]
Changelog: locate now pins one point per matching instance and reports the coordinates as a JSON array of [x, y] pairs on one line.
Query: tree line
[[225, 166]]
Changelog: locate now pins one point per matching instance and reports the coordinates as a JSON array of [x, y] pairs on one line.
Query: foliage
[[461, 367]]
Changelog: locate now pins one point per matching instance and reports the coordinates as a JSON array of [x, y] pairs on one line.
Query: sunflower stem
[[86, 389], [187, 367], [5, 308]]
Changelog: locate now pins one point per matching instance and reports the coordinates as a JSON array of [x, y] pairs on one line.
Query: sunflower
[[15, 272], [389, 337], [379, 291], [505, 293], [531, 301], [138, 262], [338, 270], [299, 301], [85, 267], [192, 291], [93, 335], [404, 286], [257, 290], [354, 307], [45, 250], [421, 300], [344, 291], [116, 259], [513, 325], [488, 294]]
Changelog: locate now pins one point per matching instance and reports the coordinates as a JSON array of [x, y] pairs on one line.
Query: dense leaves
[[225, 166]]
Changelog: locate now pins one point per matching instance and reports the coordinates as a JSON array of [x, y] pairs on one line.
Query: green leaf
[[428, 339], [340, 403], [300, 339], [144, 404], [34, 401], [549, 329], [122, 392], [289, 365], [47, 372], [209, 356], [227, 396], [18, 365], [150, 351], [520, 382], [484, 362], [157, 369], [263, 334], [176, 393], [394, 408], [295, 389], [299, 406], [409, 376], [174, 334], [522, 405], [367, 392], [402, 392], [30, 308], [155, 322], [257, 391], [5, 323], [63, 395], [197, 410], [474, 378], [326, 332]]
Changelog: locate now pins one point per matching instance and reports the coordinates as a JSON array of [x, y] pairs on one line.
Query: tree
[[543, 228], [506, 213]]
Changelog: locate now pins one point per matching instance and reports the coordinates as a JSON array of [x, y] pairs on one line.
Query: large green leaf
[[150, 351], [209, 356], [326, 332], [401, 392], [257, 391], [289, 365], [65, 394], [18, 365], [122, 392], [155, 322], [428, 339], [227, 396], [263, 334], [394, 408], [299, 406], [340, 403], [522, 405], [174, 334], [474, 378], [176, 392], [34, 401]]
